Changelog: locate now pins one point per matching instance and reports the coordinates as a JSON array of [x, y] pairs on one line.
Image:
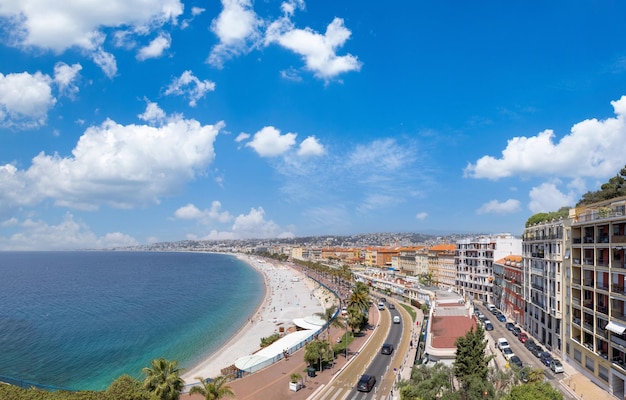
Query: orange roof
[[443, 247]]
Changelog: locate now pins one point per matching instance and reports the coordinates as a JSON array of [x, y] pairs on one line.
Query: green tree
[[213, 390], [427, 383], [163, 379], [328, 315], [354, 318], [534, 391], [471, 361], [360, 296], [316, 352], [127, 388], [615, 187]]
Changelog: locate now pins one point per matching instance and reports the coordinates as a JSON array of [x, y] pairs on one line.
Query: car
[[556, 366], [476, 312], [495, 311], [491, 307], [396, 319], [391, 306], [522, 337], [366, 383], [384, 300], [537, 351], [386, 349], [488, 326], [517, 331], [502, 343], [546, 358], [530, 344], [501, 317], [481, 317], [381, 305], [507, 352], [523, 375], [515, 360], [510, 326]]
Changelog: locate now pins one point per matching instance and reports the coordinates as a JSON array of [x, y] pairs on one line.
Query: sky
[[129, 122]]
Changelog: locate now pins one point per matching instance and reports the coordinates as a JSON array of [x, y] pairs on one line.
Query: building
[[595, 316], [508, 293], [544, 252], [474, 263], [450, 318], [441, 264]]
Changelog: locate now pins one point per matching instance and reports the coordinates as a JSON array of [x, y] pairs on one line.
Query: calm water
[[81, 319]]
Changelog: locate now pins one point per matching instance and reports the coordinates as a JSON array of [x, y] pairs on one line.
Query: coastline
[[288, 295]]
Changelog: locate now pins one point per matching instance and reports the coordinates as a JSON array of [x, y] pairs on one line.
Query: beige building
[[441, 264]]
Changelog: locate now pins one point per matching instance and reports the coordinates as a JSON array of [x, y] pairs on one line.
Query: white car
[[502, 343], [507, 352], [556, 366]]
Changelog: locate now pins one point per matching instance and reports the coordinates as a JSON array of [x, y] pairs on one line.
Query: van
[[381, 306], [396, 319], [491, 307]]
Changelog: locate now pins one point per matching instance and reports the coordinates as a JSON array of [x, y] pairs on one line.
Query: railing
[[588, 282], [618, 289], [618, 239]]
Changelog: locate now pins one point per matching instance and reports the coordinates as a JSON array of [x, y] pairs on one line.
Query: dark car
[[546, 358], [391, 306], [515, 360], [510, 326], [488, 326], [530, 344], [386, 349], [366, 383], [501, 317], [522, 337], [495, 311], [517, 331], [537, 351]]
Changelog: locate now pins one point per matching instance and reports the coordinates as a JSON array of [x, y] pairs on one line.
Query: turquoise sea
[[79, 320]]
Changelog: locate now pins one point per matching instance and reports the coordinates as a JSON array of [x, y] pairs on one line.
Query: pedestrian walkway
[[578, 386]]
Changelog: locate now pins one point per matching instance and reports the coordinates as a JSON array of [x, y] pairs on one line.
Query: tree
[[534, 391], [354, 318], [471, 361], [427, 383], [163, 379], [213, 389], [316, 352], [328, 315], [615, 187], [127, 388], [360, 296]]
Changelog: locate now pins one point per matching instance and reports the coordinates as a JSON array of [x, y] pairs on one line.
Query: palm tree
[[163, 379], [213, 390], [360, 296], [327, 315]]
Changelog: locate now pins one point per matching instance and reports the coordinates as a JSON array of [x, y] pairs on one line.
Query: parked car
[[386, 349], [495, 311], [488, 326], [546, 358], [502, 343], [507, 352], [522, 337], [515, 360], [556, 366], [537, 351], [530, 344], [501, 317], [476, 312], [366, 383], [517, 330], [482, 317], [510, 326]]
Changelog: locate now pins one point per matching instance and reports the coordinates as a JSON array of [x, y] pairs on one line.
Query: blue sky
[[134, 121]]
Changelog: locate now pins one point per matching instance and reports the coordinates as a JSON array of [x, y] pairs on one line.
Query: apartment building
[[474, 263], [405, 260], [441, 264], [508, 293], [544, 253], [595, 317]]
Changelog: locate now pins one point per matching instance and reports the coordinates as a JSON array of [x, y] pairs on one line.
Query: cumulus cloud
[[25, 99], [153, 114], [268, 142], [58, 25], [65, 77], [547, 198], [206, 216], [319, 51], [495, 207], [68, 234], [311, 147], [155, 48], [246, 226], [190, 86], [237, 28], [114, 164], [593, 148]]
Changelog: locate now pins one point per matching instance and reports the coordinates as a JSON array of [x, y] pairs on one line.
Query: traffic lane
[[380, 363]]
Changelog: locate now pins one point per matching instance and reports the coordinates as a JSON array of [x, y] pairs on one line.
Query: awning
[[616, 328]]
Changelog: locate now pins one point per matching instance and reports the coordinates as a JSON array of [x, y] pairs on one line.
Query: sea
[[79, 320]]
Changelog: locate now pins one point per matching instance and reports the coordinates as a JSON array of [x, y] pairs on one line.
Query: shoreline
[[289, 294]]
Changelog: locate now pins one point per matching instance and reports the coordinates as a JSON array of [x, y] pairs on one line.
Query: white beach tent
[[274, 352]]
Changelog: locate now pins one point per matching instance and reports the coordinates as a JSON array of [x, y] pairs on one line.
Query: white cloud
[[237, 28], [594, 148], [65, 76], [495, 207], [375, 201], [190, 86], [68, 234], [195, 11], [25, 99], [153, 114], [421, 216], [268, 142], [118, 165], [60, 25], [311, 147], [254, 225], [241, 137], [318, 51], [155, 48], [206, 216], [547, 198]]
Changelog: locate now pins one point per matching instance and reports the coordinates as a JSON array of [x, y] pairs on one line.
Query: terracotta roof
[[446, 330], [443, 247]]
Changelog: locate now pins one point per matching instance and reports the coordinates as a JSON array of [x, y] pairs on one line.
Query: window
[[578, 355], [603, 373], [590, 364]]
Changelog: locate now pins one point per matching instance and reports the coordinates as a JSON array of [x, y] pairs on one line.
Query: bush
[[266, 341]]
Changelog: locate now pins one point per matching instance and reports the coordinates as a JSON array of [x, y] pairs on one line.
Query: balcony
[[576, 301], [588, 261], [576, 261], [588, 326], [602, 286], [603, 238], [588, 239], [588, 282], [588, 304], [576, 240], [602, 309], [618, 239], [576, 281], [618, 289]]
